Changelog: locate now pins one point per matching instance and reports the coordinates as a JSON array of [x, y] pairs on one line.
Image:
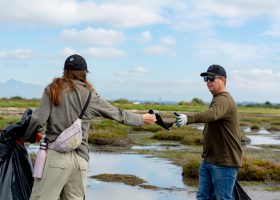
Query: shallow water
[[155, 171], [264, 139]]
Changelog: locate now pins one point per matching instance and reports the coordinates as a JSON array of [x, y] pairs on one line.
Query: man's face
[[215, 84]]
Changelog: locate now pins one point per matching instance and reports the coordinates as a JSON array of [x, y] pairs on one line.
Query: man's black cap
[[75, 62], [215, 70]]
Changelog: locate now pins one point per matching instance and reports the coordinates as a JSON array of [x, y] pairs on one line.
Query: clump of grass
[[245, 124], [191, 169], [245, 139], [255, 127], [274, 128], [171, 135], [259, 170], [275, 122], [120, 178], [5, 121], [252, 170], [107, 132], [147, 128], [186, 135]]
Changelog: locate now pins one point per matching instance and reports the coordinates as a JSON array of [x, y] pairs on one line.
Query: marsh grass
[[259, 170], [107, 132], [146, 128], [186, 135], [191, 169], [251, 170], [126, 179], [18, 103], [8, 120]]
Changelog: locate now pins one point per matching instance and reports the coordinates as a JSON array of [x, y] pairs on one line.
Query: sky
[[150, 50]]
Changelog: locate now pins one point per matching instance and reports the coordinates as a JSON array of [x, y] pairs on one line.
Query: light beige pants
[[64, 177]]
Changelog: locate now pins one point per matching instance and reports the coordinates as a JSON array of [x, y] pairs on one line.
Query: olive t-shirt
[[221, 134]]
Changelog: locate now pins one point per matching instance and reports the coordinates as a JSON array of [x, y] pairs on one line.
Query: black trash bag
[[160, 122], [239, 193], [16, 179], [16, 175]]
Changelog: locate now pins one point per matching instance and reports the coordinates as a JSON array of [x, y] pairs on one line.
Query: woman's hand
[[149, 118]]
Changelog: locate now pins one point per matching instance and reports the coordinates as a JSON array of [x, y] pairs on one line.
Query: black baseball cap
[[75, 62], [215, 70]]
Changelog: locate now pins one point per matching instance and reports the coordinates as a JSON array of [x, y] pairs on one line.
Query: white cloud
[[135, 71], [255, 84], [159, 50], [20, 53], [68, 51], [168, 40], [65, 12], [165, 47], [274, 29], [233, 52], [94, 36], [146, 36], [104, 52]]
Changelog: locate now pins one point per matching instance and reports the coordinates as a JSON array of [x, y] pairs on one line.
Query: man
[[222, 141]]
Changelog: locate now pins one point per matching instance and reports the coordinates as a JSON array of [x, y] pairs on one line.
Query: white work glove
[[181, 119]]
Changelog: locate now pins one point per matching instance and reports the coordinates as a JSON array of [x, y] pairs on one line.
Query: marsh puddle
[[160, 147], [155, 171], [262, 137]]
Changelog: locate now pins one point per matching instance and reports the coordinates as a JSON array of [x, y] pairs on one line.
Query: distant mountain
[[13, 88]]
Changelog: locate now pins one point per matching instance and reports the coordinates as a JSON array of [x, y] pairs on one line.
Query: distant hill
[[13, 88]]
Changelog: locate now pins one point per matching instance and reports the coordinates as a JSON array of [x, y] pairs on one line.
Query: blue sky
[[148, 50]]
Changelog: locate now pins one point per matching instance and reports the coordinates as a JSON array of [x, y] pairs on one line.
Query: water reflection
[[263, 139], [154, 171], [160, 147]]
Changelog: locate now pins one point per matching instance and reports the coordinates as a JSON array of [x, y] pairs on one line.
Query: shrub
[[259, 170], [191, 169]]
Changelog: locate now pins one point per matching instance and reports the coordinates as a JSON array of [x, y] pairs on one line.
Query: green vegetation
[[186, 135], [18, 102], [252, 170], [259, 170], [258, 167], [190, 170], [120, 178], [108, 132], [5, 121]]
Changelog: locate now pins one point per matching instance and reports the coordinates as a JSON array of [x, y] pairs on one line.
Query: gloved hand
[[160, 122], [181, 119]]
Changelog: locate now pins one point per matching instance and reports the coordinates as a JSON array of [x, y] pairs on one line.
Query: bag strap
[[85, 106]]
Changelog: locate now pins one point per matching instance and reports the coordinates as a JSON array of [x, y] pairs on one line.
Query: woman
[[65, 174]]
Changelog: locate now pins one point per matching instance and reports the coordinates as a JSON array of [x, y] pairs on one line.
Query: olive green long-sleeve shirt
[[221, 134], [58, 118]]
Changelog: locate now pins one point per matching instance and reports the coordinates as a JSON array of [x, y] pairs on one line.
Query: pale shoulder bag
[[70, 138]]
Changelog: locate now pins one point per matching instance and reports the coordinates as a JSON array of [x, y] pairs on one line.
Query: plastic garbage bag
[[239, 193], [15, 165], [16, 179]]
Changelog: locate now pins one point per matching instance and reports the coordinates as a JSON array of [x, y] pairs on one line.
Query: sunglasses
[[210, 78]]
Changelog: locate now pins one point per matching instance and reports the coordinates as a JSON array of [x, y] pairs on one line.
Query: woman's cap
[[75, 62], [215, 70]]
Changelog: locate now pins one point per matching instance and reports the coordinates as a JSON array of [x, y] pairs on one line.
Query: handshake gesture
[[181, 119]]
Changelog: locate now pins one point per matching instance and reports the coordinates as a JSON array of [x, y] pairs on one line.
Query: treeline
[[266, 104], [194, 101]]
